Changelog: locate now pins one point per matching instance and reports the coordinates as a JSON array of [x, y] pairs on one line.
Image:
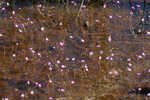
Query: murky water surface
[[51, 54]]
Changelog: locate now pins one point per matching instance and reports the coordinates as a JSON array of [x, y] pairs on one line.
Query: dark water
[[21, 3], [140, 12]]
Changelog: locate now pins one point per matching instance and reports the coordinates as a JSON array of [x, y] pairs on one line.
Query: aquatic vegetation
[[51, 53]]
